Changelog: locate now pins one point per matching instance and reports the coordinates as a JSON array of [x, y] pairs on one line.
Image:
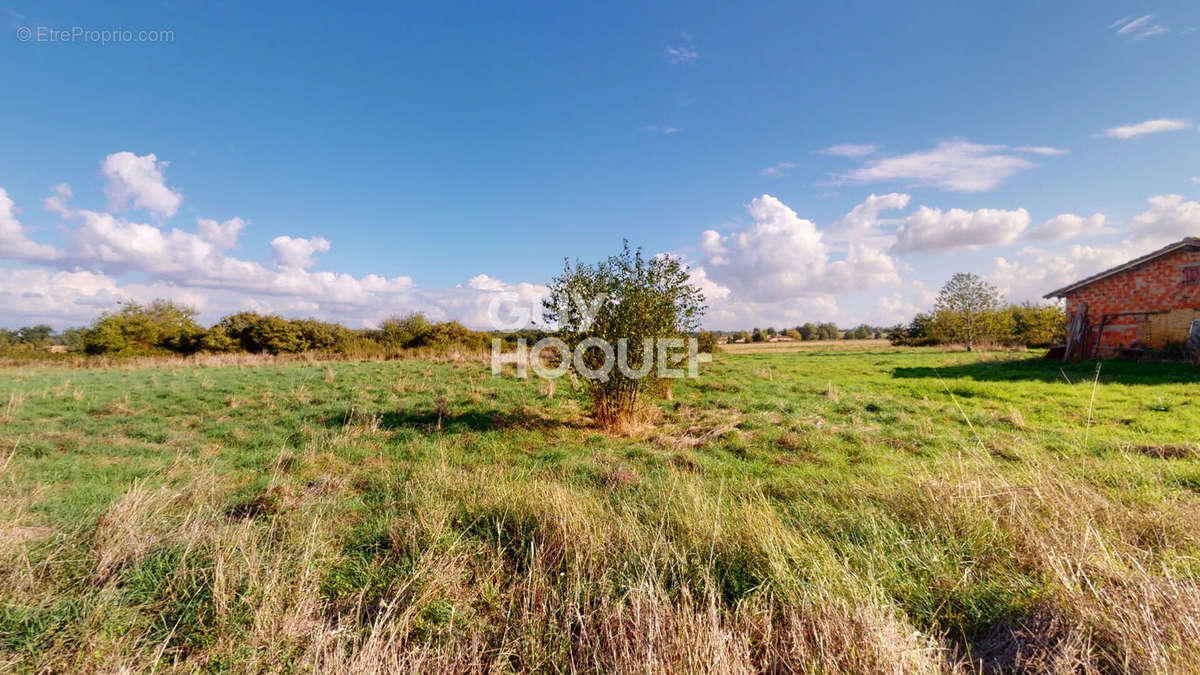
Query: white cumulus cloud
[[1169, 217], [222, 235], [298, 252], [930, 229], [140, 180], [781, 255], [1069, 226], [14, 241]]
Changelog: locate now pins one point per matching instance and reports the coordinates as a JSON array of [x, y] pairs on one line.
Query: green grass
[[937, 507]]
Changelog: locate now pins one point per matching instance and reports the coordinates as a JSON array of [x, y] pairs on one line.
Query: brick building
[[1148, 302]]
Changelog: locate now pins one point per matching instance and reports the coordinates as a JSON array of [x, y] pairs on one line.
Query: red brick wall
[[1154, 287]]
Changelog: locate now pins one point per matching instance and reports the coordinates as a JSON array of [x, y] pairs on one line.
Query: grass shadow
[[1051, 370], [430, 421]]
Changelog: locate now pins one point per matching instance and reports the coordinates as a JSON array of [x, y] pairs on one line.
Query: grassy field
[[871, 510]]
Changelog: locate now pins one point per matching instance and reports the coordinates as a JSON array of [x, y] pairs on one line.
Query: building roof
[[1182, 244]]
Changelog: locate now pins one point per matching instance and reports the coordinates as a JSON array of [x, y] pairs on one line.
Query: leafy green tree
[[828, 331], [808, 331], [965, 309], [35, 336], [744, 336], [758, 335], [642, 298]]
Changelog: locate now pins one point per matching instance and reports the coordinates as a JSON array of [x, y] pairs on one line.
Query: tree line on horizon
[[968, 311]]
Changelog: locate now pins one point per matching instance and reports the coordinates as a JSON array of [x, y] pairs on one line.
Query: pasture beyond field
[[809, 507]]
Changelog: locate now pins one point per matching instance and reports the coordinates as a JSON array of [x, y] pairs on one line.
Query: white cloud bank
[[776, 268], [106, 258]]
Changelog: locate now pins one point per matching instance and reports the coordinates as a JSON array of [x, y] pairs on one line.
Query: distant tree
[[965, 309], [71, 338], [922, 331], [743, 336], [794, 334], [828, 331], [771, 331], [758, 335], [808, 331], [707, 342], [35, 336]]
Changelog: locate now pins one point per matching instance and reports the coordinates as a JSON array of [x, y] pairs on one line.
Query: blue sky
[[427, 158]]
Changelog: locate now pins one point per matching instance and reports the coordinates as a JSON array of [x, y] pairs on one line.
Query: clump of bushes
[[164, 327], [158, 327]]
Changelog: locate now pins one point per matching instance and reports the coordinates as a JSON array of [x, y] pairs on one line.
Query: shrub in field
[[415, 330], [639, 299], [1038, 325], [275, 335], [405, 331], [257, 333], [321, 335], [136, 328], [217, 341]]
